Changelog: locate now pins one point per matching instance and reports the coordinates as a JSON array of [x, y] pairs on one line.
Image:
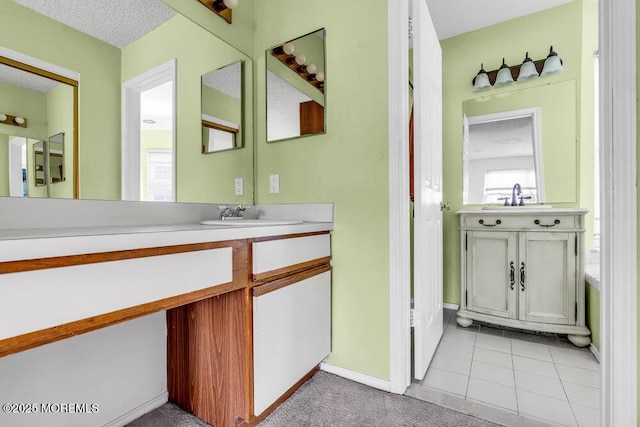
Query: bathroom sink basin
[[249, 222], [516, 208]]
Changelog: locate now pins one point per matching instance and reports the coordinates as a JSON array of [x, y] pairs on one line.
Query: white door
[[427, 82]]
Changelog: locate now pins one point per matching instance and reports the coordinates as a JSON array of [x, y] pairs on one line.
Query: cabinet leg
[[579, 340], [463, 321]]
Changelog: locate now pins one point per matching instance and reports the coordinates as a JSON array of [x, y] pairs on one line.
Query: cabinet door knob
[[498, 222], [513, 275], [522, 276]]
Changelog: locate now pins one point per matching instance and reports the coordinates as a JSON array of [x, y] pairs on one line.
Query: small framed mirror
[[39, 164], [296, 87], [56, 158], [222, 106]]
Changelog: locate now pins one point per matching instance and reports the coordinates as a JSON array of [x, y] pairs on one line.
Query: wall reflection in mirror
[[27, 154], [295, 87], [222, 106], [526, 137], [97, 171], [501, 150]]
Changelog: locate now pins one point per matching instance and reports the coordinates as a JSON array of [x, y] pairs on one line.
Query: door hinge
[[414, 317], [575, 316], [466, 297], [576, 245], [466, 241]]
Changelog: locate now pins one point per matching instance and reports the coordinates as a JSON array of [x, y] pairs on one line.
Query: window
[[159, 175], [499, 184]]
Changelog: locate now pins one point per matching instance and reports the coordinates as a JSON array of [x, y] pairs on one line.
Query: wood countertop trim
[[274, 285], [92, 258]]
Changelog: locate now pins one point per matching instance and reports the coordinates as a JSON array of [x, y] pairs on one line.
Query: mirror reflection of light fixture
[[481, 80], [504, 76], [221, 8], [553, 63], [8, 119], [527, 69]]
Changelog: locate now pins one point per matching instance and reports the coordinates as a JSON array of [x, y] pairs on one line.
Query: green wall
[[592, 296], [200, 178], [572, 30], [98, 63], [225, 107], [347, 166]]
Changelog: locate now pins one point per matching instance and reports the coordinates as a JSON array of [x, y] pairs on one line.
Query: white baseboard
[[357, 377], [595, 351], [450, 306], [139, 411]]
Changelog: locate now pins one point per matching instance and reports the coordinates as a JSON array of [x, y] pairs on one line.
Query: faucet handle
[[506, 200], [523, 198]]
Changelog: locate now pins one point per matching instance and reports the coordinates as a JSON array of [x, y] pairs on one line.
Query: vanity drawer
[[275, 258], [36, 300], [529, 222]]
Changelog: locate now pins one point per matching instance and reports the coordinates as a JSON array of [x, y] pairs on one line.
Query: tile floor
[[537, 377]]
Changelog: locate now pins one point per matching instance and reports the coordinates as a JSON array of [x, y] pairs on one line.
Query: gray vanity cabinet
[[524, 269]]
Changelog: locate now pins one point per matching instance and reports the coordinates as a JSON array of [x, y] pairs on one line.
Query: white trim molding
[[399, 214], [356, 376], [618, 145], [139, 411], [450, 306]]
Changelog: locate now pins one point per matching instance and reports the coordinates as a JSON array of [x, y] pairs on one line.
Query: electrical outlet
[[239, 186], [274, 183]]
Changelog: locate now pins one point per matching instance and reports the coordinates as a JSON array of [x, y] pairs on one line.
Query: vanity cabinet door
[[491, 273], [547, 277]]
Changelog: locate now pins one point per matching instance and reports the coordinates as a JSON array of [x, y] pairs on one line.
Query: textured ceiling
[[117, 22], [16, 77], [226, 80], [501, 138]]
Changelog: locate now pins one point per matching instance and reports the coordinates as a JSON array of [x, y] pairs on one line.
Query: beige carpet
[[329, 400]]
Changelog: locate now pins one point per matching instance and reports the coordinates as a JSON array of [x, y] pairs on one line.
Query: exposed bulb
[[301, 59], [311, 68], [230, 3], [320, 76], [3, 117], [19, 120], [288, 48]]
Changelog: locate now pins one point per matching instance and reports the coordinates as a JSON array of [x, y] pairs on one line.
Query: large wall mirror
[[47, 103], [94, 170], [526, 137], [296, 87], [222, 104]]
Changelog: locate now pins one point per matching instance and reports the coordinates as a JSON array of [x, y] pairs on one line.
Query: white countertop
[[34, 243], [499, 210]]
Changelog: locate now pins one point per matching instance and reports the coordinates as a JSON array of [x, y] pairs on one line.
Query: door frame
[[399, 214], [618, 190], [130, 145]]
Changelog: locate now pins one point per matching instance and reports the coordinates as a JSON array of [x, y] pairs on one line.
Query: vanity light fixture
[[221, 8], [481, 80], [553, 63], [8, 119], [504, 76], [527, 69]]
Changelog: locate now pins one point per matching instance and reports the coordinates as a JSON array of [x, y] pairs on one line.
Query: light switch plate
[[274, 183], [239, 186]]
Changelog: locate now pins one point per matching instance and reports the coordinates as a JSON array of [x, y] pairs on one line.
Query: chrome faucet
[[514, 194], [229, 212]]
